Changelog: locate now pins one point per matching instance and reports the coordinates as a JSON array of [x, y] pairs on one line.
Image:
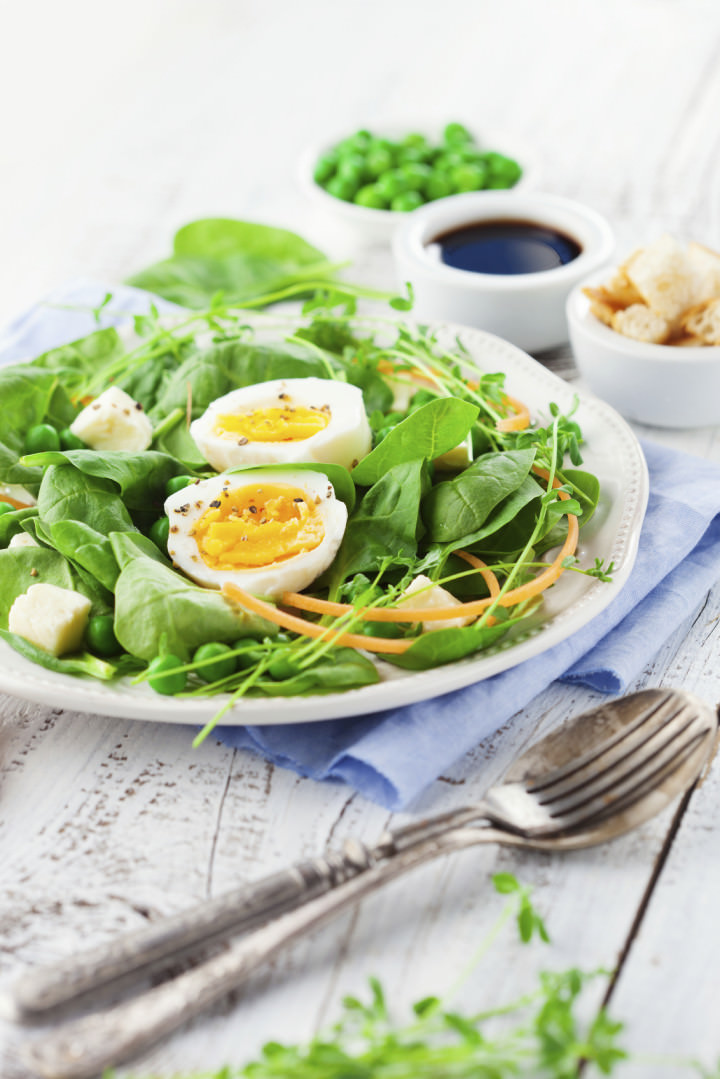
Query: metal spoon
[[598, 776]]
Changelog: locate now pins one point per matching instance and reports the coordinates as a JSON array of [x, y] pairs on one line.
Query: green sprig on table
[[538, 1035]]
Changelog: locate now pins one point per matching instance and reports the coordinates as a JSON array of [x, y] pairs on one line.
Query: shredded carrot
[[487, 574], [520, 418], [14, 502], [393, 614], [408, 614], [311, 629], [473, 607]]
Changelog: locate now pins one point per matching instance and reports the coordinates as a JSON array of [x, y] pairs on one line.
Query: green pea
[[416, 175], [223, 661], [163, 677], [407, 200], [415, 155], [69, 441], [351, 167], [325, 167], [372, 197], [358, 142], [503, 168], [381, 144], [41, 438], [438, 186], [378, 161], [414, 139], [341, 188], [177, 483], [448, 161], [456, 135], [159, 533], [283, 665], [392, 183], [468, 177], [250, 653], [5, 507], [100, 636]]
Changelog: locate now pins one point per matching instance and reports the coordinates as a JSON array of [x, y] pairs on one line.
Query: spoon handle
[[86, 1047], [132, 955]]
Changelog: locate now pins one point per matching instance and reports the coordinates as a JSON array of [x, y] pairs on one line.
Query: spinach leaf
[[225, 366], [589, 487], [78, 512], [459, 507], [447, 646], [29, 396], [241, 259], [76, 663], [221, 237], [177, 442], [509, 525], [74, 362], [386, 523], [130, 545], [11, 524], [343, 668], [427, 432], [16, 574], [157, 608], [140, 477]]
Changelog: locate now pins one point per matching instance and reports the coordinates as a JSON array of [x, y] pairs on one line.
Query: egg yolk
[[290, 423], [258, 526]]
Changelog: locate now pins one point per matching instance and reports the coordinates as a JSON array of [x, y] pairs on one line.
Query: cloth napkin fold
[[390, 757]]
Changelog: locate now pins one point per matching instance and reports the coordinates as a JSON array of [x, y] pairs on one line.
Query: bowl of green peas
[[369, 179]]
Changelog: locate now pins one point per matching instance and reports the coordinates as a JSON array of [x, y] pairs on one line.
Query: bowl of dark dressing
[[502, 261]]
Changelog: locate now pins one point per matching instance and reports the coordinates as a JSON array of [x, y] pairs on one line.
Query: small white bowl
[[660, 385], [367, 227], [526, 309]]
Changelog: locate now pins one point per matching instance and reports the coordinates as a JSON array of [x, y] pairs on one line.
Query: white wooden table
[[118, 127]]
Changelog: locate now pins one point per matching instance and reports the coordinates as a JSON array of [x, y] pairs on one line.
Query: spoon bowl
[[596, 777]]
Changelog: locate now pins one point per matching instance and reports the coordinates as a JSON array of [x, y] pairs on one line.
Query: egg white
[[185, 508], [344, 441]]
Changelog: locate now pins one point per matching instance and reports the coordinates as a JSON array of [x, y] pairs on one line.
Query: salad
[[317, 490]]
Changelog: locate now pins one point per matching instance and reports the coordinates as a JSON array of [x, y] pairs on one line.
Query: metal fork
[[644, 750]]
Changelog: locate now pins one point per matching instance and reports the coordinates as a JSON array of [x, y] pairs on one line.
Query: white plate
[[611, 451]]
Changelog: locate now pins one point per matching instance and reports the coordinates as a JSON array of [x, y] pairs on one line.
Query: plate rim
[[26, 680]]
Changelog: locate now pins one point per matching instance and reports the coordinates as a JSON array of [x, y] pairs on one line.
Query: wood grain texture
[[125, 124]]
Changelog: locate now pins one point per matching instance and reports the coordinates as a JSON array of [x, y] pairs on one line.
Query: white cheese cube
[[422, 594], [18, 493], [23, 539], [456, 459], [52, 618], [114, 421]]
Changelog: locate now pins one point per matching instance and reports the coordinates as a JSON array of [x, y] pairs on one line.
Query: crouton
[[642, 324], [703, 321]]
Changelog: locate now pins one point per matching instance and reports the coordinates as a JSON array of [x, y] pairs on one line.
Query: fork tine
[[629, 784], [613, 766], [650, 782], [612, 748]]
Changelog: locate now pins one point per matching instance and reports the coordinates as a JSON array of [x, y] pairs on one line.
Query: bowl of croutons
[[646, 336]]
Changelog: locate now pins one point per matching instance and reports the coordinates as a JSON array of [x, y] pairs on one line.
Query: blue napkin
[[390, 757]]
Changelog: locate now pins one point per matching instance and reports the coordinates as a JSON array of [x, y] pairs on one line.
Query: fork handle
[[84, 1048], [133, 954], [154, 947]]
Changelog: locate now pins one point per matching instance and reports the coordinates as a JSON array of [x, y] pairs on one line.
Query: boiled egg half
[[268, 531], [286, 420]]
